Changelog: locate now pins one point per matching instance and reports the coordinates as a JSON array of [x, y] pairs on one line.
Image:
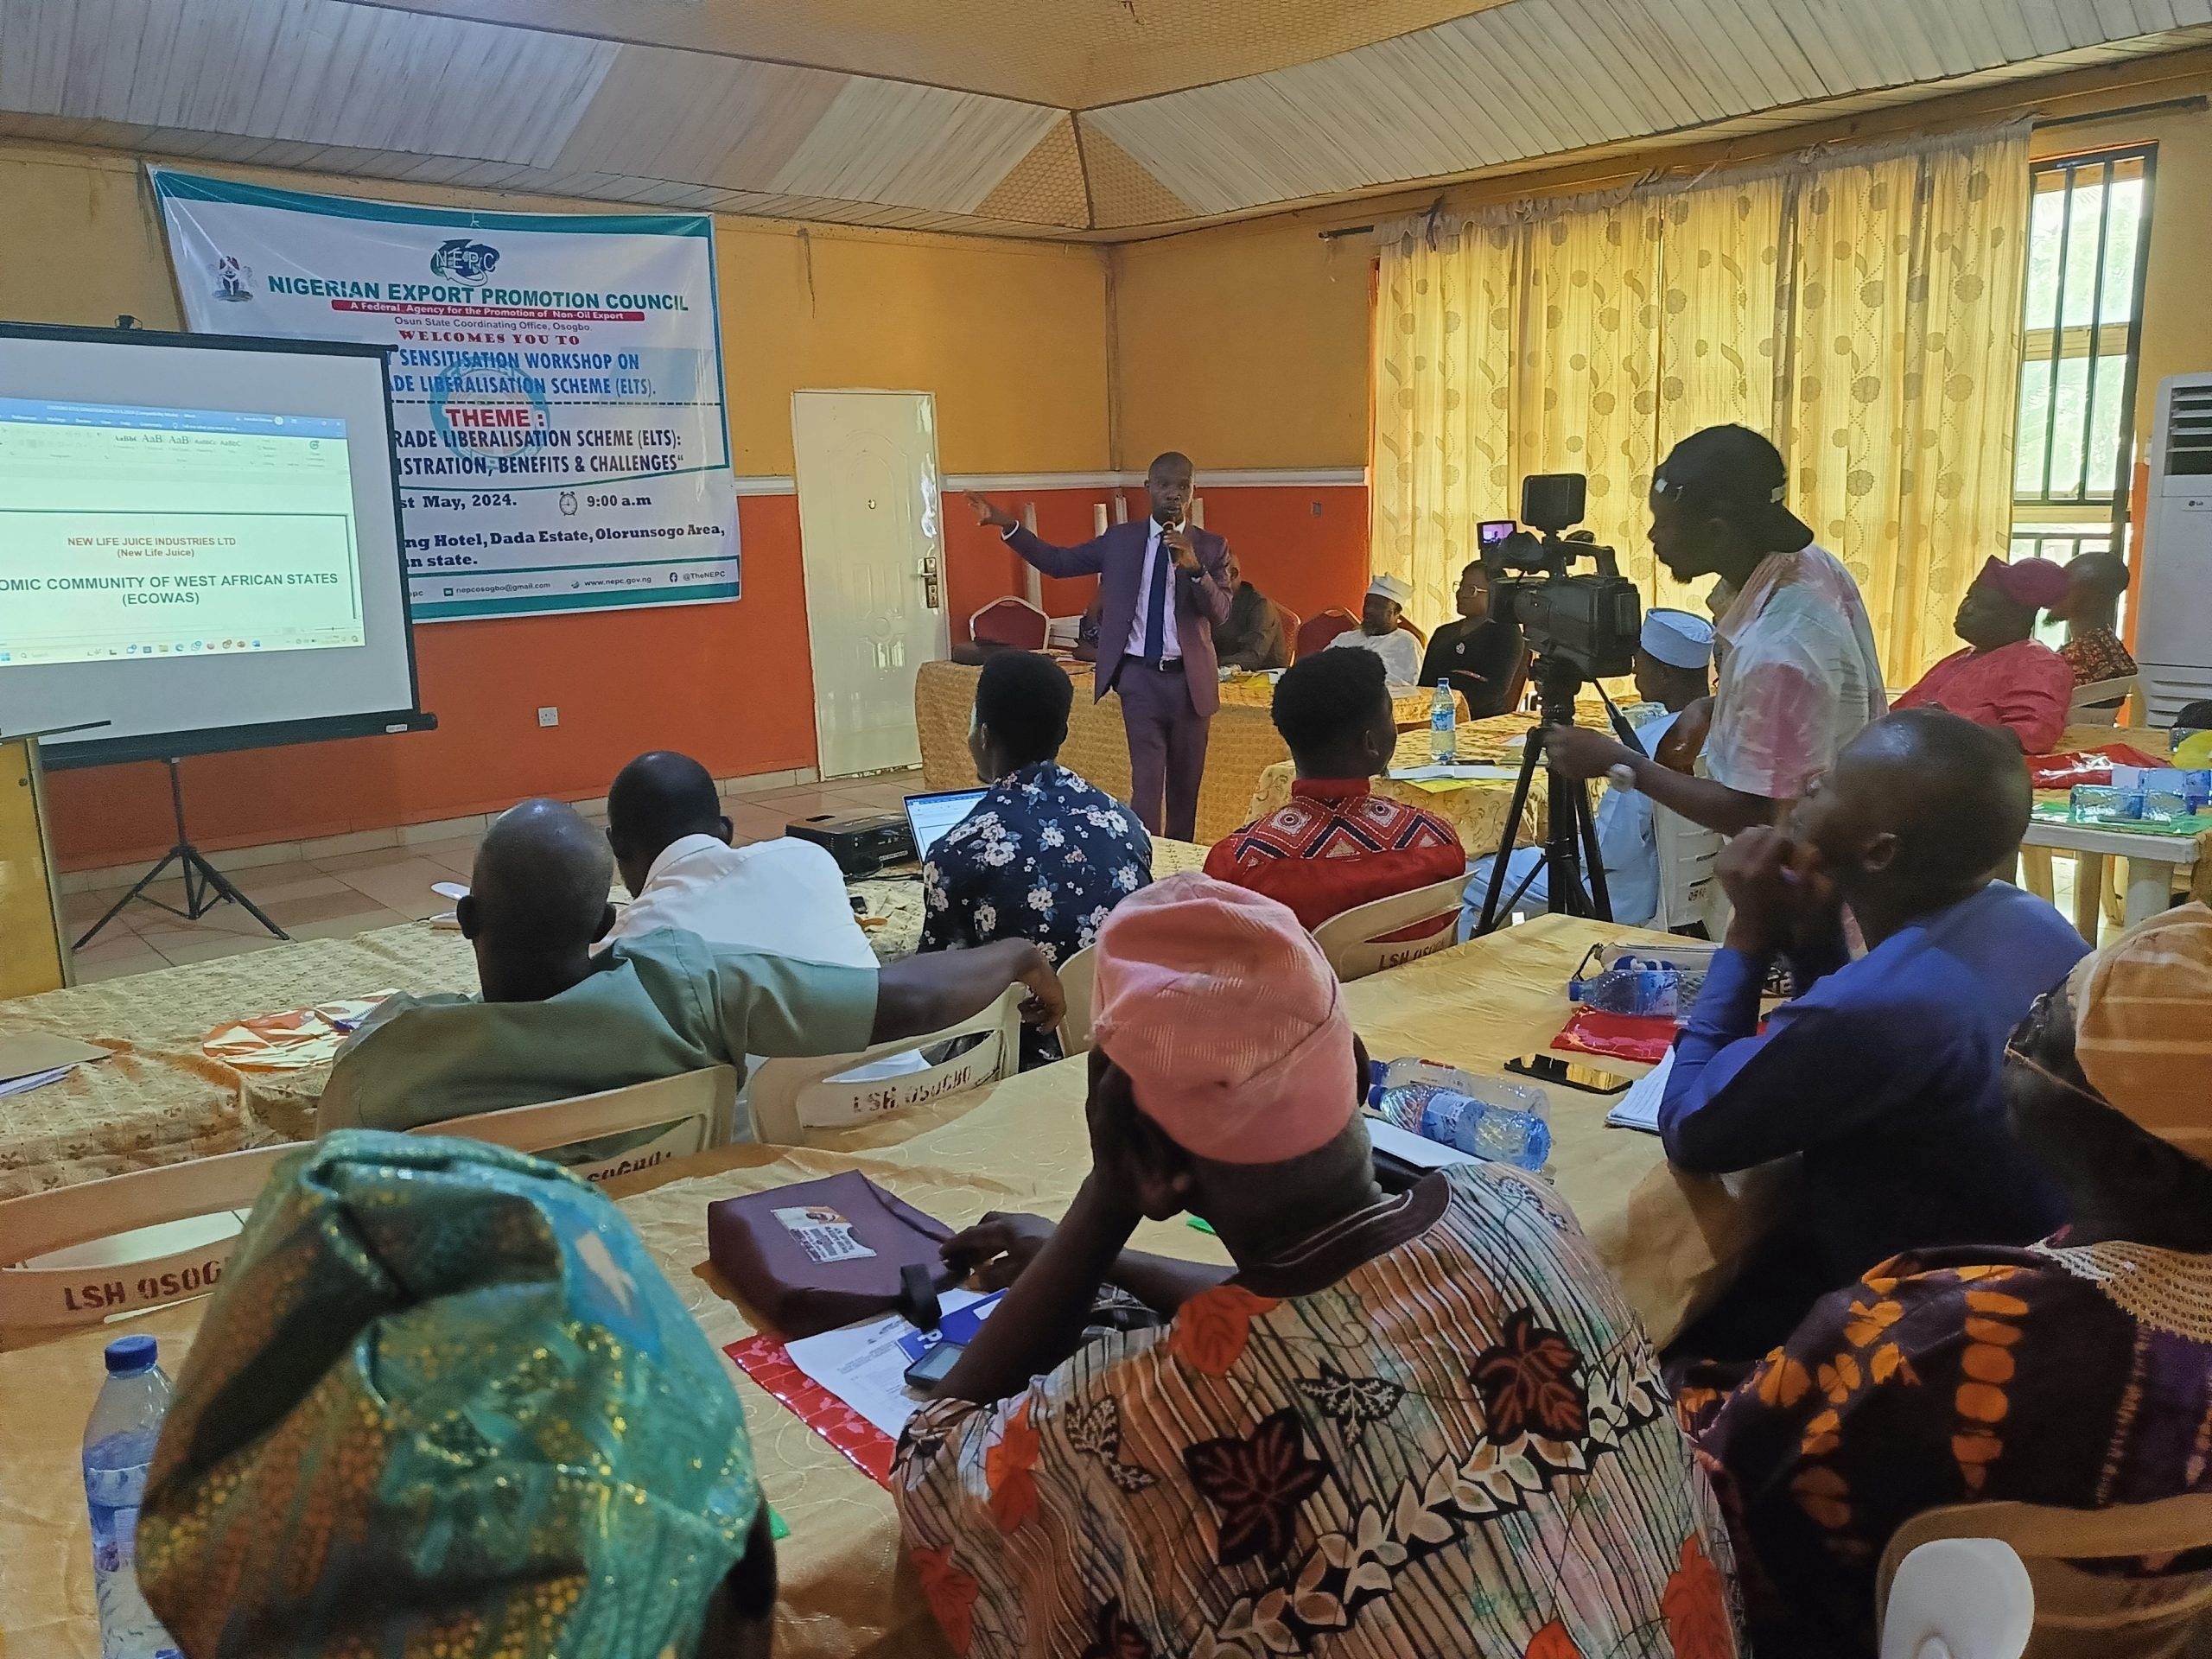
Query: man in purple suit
[[1163, 586]]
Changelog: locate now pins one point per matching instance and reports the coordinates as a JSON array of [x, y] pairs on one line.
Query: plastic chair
[[1015, 624], [1316, 634], [1958, 1598], [2077, 1613], [2099, 703], [789, 1097], [1290, 622], [82, 1254], [689, 1113], [1686, 852], [1390, 932], [1077, 974]]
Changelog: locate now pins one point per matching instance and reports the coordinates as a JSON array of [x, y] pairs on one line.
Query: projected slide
[[135, 532]]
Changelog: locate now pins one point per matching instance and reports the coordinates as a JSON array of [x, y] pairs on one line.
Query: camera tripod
[[1571, 834]]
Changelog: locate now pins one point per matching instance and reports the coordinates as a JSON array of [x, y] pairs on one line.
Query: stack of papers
[[865, 1365], [1639, 1108], [33, 1059]]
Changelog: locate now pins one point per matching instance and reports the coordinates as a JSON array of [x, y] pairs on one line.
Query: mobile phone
[[1569, 1074], [933, 1367]]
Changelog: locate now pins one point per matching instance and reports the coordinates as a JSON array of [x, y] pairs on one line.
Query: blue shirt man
[[1883, 1073]]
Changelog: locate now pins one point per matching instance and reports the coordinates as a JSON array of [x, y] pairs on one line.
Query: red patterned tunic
[[1334, 846]]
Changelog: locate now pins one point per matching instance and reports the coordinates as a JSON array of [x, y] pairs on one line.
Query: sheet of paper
[[30, 1052], [1417, 1150], [865, 1366], [35, 1080], [1639, 1108], [1454, 772]]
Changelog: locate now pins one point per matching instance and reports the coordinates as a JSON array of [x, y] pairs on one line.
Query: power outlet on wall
[[548, 716]]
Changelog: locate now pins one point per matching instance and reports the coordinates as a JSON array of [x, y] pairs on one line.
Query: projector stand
[[204, 887]]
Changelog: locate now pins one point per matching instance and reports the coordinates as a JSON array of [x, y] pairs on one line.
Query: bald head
[[538, 890], [1921, 803], [655, 801]]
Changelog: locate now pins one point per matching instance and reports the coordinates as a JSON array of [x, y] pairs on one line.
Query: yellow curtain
[[1862, 308], [1446, 333]]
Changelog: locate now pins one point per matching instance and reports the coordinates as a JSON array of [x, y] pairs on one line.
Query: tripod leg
[[1601, 900], [212, 880], [116, 909], [1531, 755]]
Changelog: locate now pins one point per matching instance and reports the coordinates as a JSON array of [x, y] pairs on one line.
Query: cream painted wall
[[1011, 336], [1245, 347]]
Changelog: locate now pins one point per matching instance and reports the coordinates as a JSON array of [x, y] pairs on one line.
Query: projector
[[861, 845]]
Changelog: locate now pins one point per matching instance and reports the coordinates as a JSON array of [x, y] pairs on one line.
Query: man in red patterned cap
[[1426, 1422], [2005, 677]]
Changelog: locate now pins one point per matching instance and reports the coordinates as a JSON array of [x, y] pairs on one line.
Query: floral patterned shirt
[[1043, 857], [1799, 676], [1461, 1445]]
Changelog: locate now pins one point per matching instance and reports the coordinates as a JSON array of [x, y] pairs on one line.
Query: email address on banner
[[403, 308], [584, 582]]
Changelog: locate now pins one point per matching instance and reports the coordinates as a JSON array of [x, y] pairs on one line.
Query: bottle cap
[[128, 1356]]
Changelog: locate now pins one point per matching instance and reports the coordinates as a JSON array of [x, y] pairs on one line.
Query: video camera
[[1589, 623]]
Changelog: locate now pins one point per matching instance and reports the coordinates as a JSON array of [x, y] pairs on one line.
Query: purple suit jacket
[[1199, 599]]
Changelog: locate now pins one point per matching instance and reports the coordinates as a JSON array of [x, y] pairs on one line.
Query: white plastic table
[[2153, 864]]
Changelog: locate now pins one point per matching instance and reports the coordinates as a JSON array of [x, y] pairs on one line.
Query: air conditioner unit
[[2173, 614]]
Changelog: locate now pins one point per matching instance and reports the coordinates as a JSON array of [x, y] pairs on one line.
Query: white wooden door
[[872, 529]]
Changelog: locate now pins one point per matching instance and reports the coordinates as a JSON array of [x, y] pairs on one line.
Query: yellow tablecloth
[[1241, 744], [1477, 809], [846, 1587]]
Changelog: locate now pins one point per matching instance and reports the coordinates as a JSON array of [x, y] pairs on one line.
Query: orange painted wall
[[1010, 337]]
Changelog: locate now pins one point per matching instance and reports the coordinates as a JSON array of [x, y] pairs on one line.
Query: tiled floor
[[339, 896]]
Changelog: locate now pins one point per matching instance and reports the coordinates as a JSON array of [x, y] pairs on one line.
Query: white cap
[[1396, 589], [1678, 638]]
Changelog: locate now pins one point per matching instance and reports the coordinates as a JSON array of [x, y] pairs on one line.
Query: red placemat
[[1623, 1036], [768, 1362]]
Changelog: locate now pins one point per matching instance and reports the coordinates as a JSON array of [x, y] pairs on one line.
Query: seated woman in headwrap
[[445, 1403], [1427, 1423], [2077, 1372]]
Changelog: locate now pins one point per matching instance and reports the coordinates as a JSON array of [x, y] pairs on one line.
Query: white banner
[[556, 382]]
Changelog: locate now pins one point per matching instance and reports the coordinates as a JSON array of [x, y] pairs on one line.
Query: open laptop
[[930, 816]]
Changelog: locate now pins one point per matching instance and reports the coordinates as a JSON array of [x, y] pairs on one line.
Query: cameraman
[[1799, 676]]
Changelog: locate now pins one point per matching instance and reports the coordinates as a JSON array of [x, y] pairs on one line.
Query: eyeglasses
[[2042, 1014]]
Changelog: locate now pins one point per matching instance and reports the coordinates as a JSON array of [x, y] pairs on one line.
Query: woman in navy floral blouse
[[1044, 856]]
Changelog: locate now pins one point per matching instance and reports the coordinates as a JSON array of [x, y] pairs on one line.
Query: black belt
[[1172, 666]]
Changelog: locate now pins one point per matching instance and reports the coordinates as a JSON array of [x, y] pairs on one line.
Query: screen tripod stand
[[1571, 830], [204, 887]]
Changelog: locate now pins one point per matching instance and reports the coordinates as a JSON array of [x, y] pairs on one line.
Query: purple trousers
[[1168, 747]]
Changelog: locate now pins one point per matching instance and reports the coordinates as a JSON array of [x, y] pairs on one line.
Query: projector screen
[[199, 543]]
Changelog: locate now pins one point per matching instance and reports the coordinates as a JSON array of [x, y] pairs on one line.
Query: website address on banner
[[400, 308]]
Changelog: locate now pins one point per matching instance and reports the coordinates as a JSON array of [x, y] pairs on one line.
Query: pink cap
[[2035, 582], [1228, 1020]]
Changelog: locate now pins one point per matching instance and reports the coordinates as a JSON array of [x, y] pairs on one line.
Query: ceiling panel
[[826, 109]]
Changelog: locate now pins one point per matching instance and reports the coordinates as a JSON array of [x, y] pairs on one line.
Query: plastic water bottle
[[119, 1439], [1509, 1129], [1633, 988], [1443, 724]]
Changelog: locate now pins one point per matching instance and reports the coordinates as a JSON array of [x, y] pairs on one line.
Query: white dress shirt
[[1400, 652], [785, 897], [1170, 649]]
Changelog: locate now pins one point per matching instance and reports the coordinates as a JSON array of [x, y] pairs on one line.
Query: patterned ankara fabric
[[1799, 676], [1334, 846], [2096, 654], [1461, 1446], [443, 1394], [1043, 857], [2023, 687], [2080, 1378]]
